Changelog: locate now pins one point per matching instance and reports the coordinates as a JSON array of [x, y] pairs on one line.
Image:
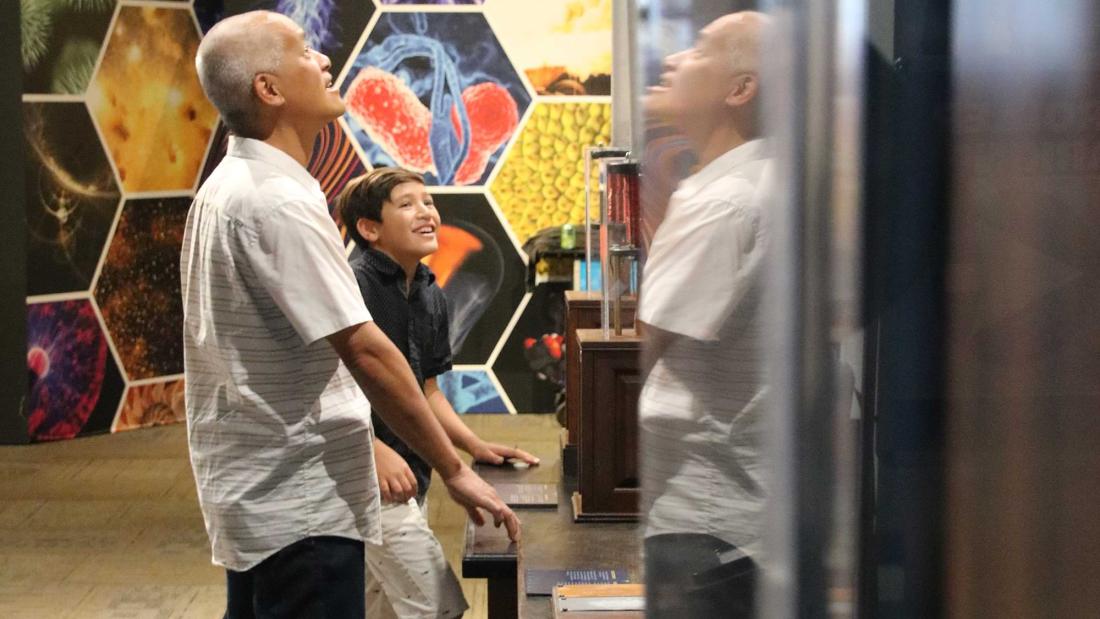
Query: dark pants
[[685, 578], [315, 578]]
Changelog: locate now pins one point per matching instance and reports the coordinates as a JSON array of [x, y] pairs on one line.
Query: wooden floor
[[109, 526]]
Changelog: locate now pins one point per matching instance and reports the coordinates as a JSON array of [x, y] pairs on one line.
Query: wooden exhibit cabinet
[[607, 445]]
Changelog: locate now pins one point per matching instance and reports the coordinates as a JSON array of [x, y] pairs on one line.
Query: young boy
[[391, 217]]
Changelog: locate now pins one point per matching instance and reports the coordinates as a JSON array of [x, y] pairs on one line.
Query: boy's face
[[409, 226]]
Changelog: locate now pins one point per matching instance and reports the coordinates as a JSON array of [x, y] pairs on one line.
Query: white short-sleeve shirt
[[701, 407], [279, 431]]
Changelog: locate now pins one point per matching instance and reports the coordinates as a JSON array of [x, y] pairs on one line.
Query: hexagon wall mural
[[147, 101], [71, 197], [435, 93], [332, 26], [118, 134], [138, 289], [541, 182], [74, 383], [150, 405], [563, 46], [61, 40], [480, 272]]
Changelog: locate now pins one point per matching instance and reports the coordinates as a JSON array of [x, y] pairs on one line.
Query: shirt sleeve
[[300, 262], [699, 268], [440, 356]]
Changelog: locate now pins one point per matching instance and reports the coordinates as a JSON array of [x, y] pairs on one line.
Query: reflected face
[[409, 226], [304, 76], [698, 79]]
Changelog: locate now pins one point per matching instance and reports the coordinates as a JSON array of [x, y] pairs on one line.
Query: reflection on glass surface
[[703, 406]]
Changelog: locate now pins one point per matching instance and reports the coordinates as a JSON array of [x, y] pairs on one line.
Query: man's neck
[[294, 141], [713, 142]]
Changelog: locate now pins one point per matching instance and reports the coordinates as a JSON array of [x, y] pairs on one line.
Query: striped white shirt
[[701, 407], [279, 431]]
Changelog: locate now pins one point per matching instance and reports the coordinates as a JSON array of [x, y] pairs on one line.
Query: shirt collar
[[724, 165], [388, 266], [249, 148]]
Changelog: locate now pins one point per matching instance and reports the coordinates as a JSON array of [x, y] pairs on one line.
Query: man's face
[[696, 80], [409, 226], [306, 84]]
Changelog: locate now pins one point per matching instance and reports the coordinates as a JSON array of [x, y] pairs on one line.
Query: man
[[276, 337], [393, 220], [700, 409]]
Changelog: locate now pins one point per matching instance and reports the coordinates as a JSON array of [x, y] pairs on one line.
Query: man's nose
[[326, 63]]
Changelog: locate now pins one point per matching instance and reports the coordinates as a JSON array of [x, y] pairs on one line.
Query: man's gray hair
[[228, 58]]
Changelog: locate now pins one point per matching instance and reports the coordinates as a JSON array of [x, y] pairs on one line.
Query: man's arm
[[462, 436], [385, 376]]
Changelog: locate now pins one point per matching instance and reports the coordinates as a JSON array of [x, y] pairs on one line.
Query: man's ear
[[267, 89], [745, 88], [369, 230]]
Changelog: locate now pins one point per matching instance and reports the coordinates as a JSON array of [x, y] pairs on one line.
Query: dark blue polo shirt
[[417, 325]]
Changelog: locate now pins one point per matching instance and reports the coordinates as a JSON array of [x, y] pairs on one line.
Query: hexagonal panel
[[479, 271], [61, 40], [150, 405], [147, 100], [71, 200], [138, 289], [541, 182], [431, 2], [472, 391], [334, 161], [75, 385], [332, 26], [531, 362], [418, 80], [563, 46]]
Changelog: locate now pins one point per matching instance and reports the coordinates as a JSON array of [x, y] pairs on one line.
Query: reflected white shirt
[[279, 431], [701, 407]]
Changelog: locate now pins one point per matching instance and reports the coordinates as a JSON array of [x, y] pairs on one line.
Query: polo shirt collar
[[256, 150], [387, 266]]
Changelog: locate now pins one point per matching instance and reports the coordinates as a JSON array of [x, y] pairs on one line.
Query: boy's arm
[[462, 436], [396, 481]]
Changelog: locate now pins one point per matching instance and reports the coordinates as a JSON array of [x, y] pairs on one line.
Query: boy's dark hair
[[363, 196]]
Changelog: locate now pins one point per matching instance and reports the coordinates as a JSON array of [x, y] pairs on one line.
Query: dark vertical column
[[907, 216], [1023, 446], [13, 242]]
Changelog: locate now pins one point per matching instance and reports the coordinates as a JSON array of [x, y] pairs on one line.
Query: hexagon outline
[[439, 9], [507, 333], [193, 19], [137, 196], [507, 227], [114, 355], [140, 382]]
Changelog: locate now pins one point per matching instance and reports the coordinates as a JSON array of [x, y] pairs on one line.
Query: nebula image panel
[[60, 43], [333, 163], [531, 364], [147, 100], [471, 391], [71, 197], [564, 46], [541, 182], [74, 384], [151, 405], [434, 93], [480, 273], [332, 27], [138, 290]]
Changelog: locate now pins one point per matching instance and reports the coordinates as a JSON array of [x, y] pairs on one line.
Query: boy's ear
[[369, 230]]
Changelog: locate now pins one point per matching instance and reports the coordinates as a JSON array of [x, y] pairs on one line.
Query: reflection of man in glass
[[702, 405]]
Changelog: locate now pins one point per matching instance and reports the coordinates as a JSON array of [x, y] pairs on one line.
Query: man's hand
[[395, 479], [492, 453], [471, 492]]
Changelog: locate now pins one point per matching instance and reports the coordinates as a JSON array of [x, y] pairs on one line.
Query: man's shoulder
[[244, 186]]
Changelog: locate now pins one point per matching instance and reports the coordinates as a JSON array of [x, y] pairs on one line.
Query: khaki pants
[[407, 575]]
